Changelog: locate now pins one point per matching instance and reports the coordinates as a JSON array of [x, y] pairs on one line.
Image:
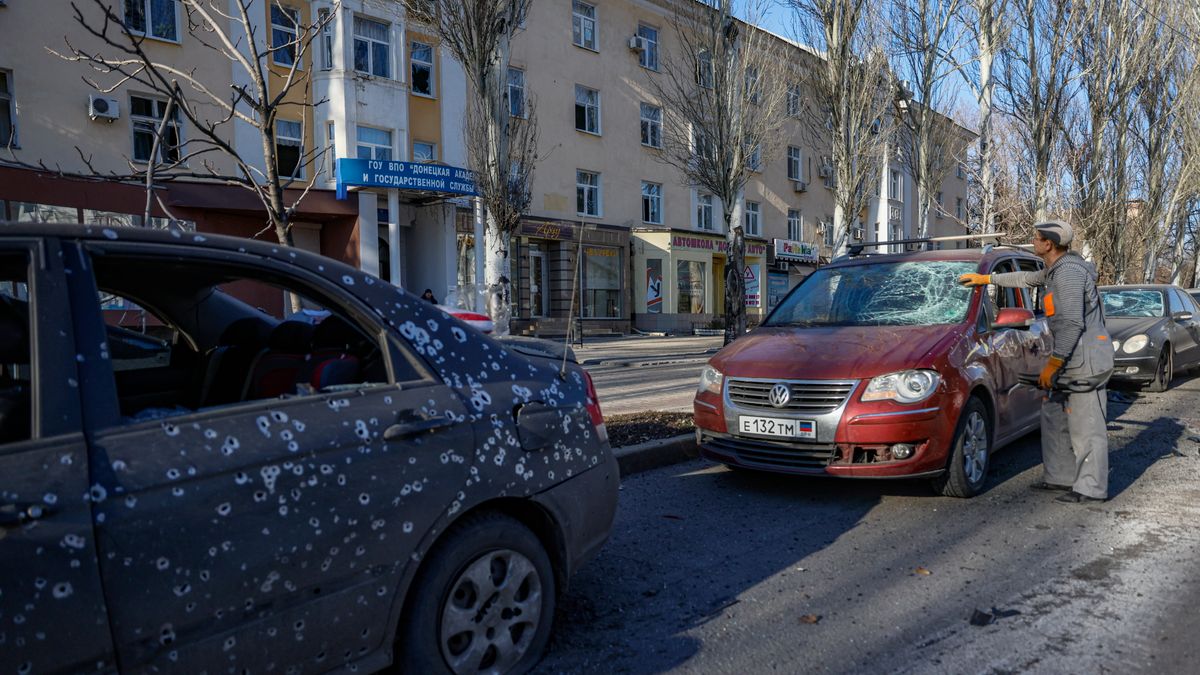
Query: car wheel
[[1163, 373], [484, 601], [970, 454]]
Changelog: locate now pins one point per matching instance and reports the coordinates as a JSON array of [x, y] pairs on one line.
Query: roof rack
[[857, 249]]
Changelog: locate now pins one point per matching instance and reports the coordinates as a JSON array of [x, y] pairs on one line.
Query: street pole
[[480, 297]]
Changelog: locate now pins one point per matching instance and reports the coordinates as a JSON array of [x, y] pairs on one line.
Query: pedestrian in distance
[[1074, 430], [428, 296]]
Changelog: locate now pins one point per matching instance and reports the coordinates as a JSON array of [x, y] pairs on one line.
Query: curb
[[650, 455], [646, 361]]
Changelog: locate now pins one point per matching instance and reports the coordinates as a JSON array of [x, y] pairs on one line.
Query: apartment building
[[650, 251], [383, 92]]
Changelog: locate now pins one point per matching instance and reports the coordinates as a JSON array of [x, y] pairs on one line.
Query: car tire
[[1163, 372], [483, 600], [970, 454]]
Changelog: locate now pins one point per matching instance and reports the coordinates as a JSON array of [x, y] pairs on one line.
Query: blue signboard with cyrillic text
[[382, 173]]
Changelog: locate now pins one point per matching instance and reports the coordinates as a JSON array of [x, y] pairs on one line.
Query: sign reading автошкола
[[421, 176]]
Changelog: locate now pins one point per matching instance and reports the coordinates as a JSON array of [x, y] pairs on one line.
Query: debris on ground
[[979, 618], [1119, 397], [634, 428], [922, 571], [811, 619]]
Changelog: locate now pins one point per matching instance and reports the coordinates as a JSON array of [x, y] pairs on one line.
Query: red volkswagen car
[[881, 366]]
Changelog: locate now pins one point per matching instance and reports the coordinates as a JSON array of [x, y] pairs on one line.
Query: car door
[[1184, 332], [1006, 355], [266, 534], [52, 612], [1038, 341]]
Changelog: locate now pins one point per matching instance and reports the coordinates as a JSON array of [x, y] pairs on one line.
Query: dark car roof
[[175, 236], [975, 255]]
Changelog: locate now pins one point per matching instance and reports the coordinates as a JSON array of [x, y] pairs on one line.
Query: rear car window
[[882, 294]]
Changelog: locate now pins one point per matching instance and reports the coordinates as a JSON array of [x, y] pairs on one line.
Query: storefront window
[[466, 270], [602, 282], [26, 212], [690, 277]]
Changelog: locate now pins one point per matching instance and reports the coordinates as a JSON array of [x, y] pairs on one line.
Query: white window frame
[[705, 212], [704, 69], [150, 125], [372, 146], [326, 37], [896, 186], [8, 100], [331, 149], [793, 100], [519, 89], [828, 227], [433, 151], [651, 128], [580, 21], [413, 63], [582, 187], [751, 85], [299, 142], [960, 170], [588, 106], [958, 208], [652, 201], [795, 163], [753, 219], [753, 156], [293, 30], [648, 58], [795, 225], [370, 41], [146, 5]]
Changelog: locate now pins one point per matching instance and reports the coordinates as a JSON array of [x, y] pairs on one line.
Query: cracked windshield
[[1140, 303], [888, 294]]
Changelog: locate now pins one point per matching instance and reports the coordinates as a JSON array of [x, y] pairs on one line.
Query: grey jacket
[[1074, 312]]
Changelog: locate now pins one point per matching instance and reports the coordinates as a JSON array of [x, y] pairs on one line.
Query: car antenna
[[562, 373]]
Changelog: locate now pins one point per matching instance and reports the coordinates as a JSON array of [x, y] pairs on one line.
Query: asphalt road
[[668, 387], [712, 571]]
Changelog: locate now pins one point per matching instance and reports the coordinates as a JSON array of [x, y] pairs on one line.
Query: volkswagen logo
[[780, 395]]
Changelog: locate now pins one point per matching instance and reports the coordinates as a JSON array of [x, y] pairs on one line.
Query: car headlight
[[711, 380], [1116, 345], [1135, 344], [908, 386]]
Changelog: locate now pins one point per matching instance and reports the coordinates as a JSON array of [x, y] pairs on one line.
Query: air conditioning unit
[[103, 108], [782, 265], [637, 43], [857, 233], [826, 169], [799, 186]]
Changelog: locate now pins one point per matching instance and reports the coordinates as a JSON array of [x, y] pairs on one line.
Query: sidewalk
[[638, 348]]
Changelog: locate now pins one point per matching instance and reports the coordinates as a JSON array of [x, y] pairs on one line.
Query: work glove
[[1046, 379], [975, 279]]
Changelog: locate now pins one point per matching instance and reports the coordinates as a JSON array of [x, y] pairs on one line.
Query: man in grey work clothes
[[1074, 431]]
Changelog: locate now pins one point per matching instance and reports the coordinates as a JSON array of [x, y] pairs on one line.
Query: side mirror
[[1182, 316], [1013, 317]]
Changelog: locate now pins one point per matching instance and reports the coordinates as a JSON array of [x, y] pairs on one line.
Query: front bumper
[[1135, 368], [855, 440]]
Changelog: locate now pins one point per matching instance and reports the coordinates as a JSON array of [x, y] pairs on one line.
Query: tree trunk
[[987, 28], [499, 288], [735, 285]]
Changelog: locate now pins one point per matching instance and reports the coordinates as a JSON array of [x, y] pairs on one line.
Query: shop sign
[[800, 251], [753, 288], [546, 230], [777, 287], [654, 297], [602, 252], [753, 249], [403, 175]]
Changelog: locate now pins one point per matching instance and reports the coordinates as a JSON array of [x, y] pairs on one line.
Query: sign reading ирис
[[382, 173]]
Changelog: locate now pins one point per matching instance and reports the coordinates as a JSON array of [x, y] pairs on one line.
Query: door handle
[[413, 426], [15, 515]]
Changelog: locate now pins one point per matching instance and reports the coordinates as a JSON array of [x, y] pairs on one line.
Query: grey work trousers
[[1075, 441]]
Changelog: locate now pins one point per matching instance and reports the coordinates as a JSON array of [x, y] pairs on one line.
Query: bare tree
[[926, 38], [851, 90], [723, 100], [1115, 47], [1035, 84], [984, 21], [478, 33], [210, 113]]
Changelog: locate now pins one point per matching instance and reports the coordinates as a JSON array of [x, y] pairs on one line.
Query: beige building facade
[[588, 65]]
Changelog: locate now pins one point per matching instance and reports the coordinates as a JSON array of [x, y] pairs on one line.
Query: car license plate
[[778, 427]]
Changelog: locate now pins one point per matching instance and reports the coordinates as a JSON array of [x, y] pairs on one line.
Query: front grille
[[810, 398], [810, 456]]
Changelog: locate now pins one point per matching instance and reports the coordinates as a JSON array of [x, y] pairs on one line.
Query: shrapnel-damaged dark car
[[1155, 332], [190, 484]]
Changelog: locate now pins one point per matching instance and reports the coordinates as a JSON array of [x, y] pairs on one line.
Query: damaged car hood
[[837, 352]]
